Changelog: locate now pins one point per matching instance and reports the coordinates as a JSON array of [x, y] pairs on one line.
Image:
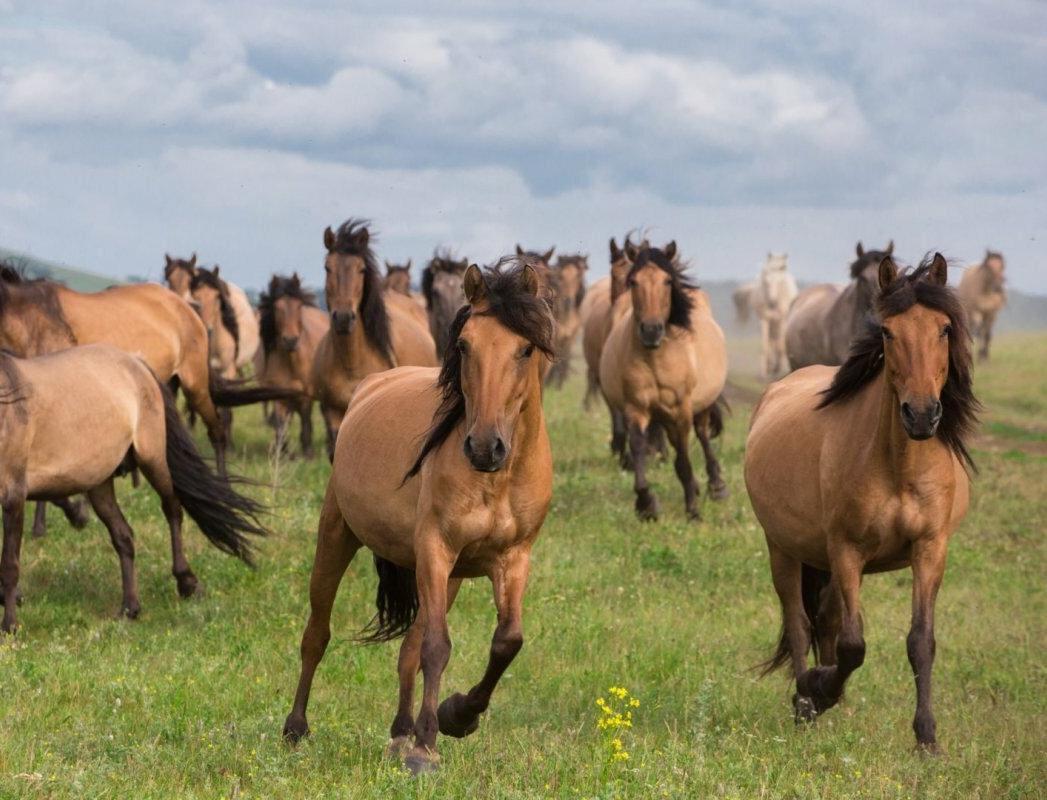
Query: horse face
[[651, 289], [344, 289], [208, 302], [398, 279], [287, 313], [570, 287], [447, 295], [996, 268], [916, 360], [179, 274]]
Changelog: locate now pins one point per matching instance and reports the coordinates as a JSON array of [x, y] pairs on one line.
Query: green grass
[[189, 700]]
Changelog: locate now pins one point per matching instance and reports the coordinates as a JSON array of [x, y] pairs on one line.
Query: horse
[[469, 502], [226, 312], [178, 274], [39, 317], [665, 360], [292, 328], [864, 469], [983, 295], [443, 293], [370, 331], [773, 293], [823, 319], [398, 278], [568, 279], [73, 420], [742, 299]]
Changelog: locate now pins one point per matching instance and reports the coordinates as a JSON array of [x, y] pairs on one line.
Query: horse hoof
[[694, 516], [719, 491], [397, 747], [295, 729], [80, 517], [454, 719], [810, 685], [421, 761], [188, 586], [803, 709], [928, 749], [39, 532], [130, 612]]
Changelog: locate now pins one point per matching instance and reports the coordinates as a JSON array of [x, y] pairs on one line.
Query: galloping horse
[[568, 280], [292, 328], [443, 293], [773, 293], [665, 360], [823, 319], [469, 503], [71, 421], [861, 469], [369, 332], [983, 295]]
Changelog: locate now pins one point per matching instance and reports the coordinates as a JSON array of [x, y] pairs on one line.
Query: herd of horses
[[441, 463]]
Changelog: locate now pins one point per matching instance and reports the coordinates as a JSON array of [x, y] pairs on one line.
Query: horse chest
[[891, 517]]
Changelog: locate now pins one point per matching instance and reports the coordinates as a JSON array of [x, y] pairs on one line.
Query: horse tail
[[231, 393], [717, 412], [812, 582], [592, 389], [397, 603], [225, 516]]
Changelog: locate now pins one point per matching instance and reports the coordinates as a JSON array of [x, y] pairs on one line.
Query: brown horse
[[983, 295], [211, 296], [666, 361], [292, 328], [823, 319], [470, 503], [861, 469], [398, 278], [568, 280], [74, 419], [369, 332], [443, 293], [179, 272]]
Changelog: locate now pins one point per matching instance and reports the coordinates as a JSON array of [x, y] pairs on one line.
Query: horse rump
[[396, 601]]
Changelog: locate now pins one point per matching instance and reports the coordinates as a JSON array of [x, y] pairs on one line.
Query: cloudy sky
[[239, 130]]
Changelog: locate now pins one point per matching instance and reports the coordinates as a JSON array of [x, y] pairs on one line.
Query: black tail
[[228, 394], [716, 414], [225, 516], [812, 582], [397, 603]]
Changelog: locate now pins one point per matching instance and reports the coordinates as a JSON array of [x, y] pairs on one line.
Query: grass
[[189, 700]]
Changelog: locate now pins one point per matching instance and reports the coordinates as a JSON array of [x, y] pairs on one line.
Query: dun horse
[[568, 280], [861, 469], [470, 503], [292, 329], [179, 272], [71, 421], [442, 289], [398, 278], [369, 332], [772, 295], [825, 318], [232, 309], [983, 295], [665, 361]]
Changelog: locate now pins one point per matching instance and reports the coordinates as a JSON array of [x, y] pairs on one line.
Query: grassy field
[[188, 701]]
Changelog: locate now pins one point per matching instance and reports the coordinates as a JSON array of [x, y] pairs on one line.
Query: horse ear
[[549, 254], [860, 250], [167, 258], [364, 236], [215, 271], [670, 250], [890, 247], [939, 272], [474, 285], [630, 250], [888, 272], [328, 238], [519, 250], [616, 254], [192, 261], [407, 266], [530, 280]]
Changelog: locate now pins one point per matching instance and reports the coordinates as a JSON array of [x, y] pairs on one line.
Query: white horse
[[772, 294]]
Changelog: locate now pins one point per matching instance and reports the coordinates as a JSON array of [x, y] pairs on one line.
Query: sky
[[239, 130]]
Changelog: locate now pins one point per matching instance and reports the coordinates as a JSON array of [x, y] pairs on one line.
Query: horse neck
[[354, 351], [41, 332], [904, 458]]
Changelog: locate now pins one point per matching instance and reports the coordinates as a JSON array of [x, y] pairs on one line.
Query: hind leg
[[40, 520], [335, 547], [159, 477], [787, 575], [717, 488], [332, 421], [103, 500], [199, 396], [14, 519]]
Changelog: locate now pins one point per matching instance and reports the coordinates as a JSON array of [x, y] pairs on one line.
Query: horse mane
[[865, 363], [39, 293], [680, 301], [279, 286], [353, 239], [443, 260], [206, 277], [871, 258], [512, 304]]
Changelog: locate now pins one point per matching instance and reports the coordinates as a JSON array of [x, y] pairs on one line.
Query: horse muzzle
[[486, 454], [921, 423], [343, 321], [652, 334], [289, 343]]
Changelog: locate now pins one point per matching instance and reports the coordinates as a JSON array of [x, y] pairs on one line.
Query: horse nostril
[[468, 446], [499, 448], [908, 413], [936, 410]]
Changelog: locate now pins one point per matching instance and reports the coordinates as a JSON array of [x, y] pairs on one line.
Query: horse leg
[[928, 566], [199, 396], [830, 616], [717, 488], [684, 470], [823, 686], [159, 477], [795, 642], [459, 714], [332, 421], [646, 502], [40, 520], [656, 441], [407, 667], [280, 419], [103, 501], [765, 347], [434, 564], [14, 518], [335, 547], [619, 439], [75, 511], [305, 414]]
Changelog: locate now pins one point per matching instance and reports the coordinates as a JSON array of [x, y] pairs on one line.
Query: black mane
[[353, 238], [279, 286], [512, 304], [865, 363], [206, 277], [38, 293], [681, 302]]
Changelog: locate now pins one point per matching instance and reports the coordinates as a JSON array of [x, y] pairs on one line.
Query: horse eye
[[527, 352], [947, 330], [886, 334], [461, 346], [630, 282], [668, 281]]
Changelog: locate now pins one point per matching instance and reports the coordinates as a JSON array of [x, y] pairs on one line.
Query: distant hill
[[73, 278]]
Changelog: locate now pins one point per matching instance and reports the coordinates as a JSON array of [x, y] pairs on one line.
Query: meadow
[[189, 700]]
